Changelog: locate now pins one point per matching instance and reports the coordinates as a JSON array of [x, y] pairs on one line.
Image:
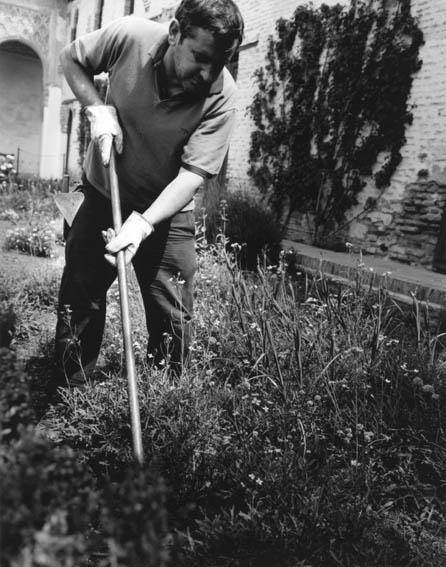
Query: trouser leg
[[82, 296], [165, 265]]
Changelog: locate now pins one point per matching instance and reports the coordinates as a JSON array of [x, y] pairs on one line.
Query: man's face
[[197, 60]]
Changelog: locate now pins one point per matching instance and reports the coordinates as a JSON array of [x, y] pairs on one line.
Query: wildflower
[[417, 381], [368, 436], [317, 398], [354, 463], [348, 245], [428, 388], [435, 397]]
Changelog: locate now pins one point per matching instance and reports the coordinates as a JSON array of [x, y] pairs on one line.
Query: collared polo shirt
[[160, 133]]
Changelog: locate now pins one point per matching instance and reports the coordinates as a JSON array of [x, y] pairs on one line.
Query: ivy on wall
[[332, 107], [83, 131]]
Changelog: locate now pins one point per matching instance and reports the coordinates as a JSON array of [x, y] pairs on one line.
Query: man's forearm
[[174, 197], [80, 82]]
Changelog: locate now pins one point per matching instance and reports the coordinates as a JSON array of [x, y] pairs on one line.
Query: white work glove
[[135, 229], [105, 129]]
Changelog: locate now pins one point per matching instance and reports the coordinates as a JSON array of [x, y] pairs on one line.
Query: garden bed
[[307, 430]]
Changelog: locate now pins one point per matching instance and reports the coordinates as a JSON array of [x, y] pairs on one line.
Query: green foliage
[[9, 215], [6, 170], [333, 97], [7, 322], [83, 131], [246, 221], [307, 429], [16, 412], [41, 487], [35, 198], [35, 239], [134, 519]]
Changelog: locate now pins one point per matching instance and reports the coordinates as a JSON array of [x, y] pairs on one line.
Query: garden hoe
[[125, 316], [68, 204]]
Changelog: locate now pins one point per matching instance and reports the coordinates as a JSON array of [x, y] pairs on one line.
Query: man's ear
[[174, 32]]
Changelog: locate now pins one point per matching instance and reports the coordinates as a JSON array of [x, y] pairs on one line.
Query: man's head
[[203, 37]]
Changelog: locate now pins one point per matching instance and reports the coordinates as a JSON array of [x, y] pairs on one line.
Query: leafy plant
[[247, 222], [332, 98], [36, 240]]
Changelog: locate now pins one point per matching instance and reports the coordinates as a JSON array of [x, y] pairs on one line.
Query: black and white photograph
[[222, 283]]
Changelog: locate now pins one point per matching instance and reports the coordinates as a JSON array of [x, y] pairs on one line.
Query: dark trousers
[[164, 265]]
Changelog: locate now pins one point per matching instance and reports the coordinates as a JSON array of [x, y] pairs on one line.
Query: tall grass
[[306, 429]]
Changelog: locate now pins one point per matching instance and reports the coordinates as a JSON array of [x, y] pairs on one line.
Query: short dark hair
[[221, 17]]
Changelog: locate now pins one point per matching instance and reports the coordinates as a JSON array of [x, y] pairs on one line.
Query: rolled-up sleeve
[[98, 51]]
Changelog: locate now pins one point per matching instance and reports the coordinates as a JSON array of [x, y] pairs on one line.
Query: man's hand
[[105, 129], [135, 229]]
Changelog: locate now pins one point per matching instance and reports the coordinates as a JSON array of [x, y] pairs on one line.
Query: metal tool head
[[68, 204]]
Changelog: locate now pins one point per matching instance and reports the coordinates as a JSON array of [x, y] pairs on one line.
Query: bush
[[37, 240], [9, 215], [15, 408], [44, 491], [31, 199], [134, 520], [7, 322], [245, 220]]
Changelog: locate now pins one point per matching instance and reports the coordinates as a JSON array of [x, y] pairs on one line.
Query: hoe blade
[[68, 204]]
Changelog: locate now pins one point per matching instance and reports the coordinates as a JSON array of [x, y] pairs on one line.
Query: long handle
[[125, 317]]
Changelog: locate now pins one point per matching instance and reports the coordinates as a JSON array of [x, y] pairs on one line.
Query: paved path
[[400, 279]]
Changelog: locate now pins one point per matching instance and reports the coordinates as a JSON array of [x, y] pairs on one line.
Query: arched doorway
[[21, 104]]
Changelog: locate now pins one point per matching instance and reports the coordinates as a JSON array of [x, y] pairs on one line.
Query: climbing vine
[[332, 107], [83, 131]]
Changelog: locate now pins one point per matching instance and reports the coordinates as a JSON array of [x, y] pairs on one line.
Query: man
[[169, 113]]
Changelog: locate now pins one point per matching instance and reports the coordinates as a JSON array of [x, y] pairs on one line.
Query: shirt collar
[[159, 48]]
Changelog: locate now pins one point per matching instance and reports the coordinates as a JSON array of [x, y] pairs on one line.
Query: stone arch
[[21, 103]]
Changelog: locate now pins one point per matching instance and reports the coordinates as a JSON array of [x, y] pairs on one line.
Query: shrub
[[41, 487], [134, 520], [9, 215], [37, 240], [245, 220], [15, 407], [33, 197], [7, 322]]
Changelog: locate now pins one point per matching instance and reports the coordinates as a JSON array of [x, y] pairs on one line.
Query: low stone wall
[[417, 227]]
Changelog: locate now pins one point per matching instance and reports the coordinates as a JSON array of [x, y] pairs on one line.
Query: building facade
[[42, 122]]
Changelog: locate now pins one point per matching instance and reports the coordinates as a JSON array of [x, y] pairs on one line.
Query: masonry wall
[[406, 224]]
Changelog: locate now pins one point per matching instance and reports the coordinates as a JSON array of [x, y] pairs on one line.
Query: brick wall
[[406, 222]]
